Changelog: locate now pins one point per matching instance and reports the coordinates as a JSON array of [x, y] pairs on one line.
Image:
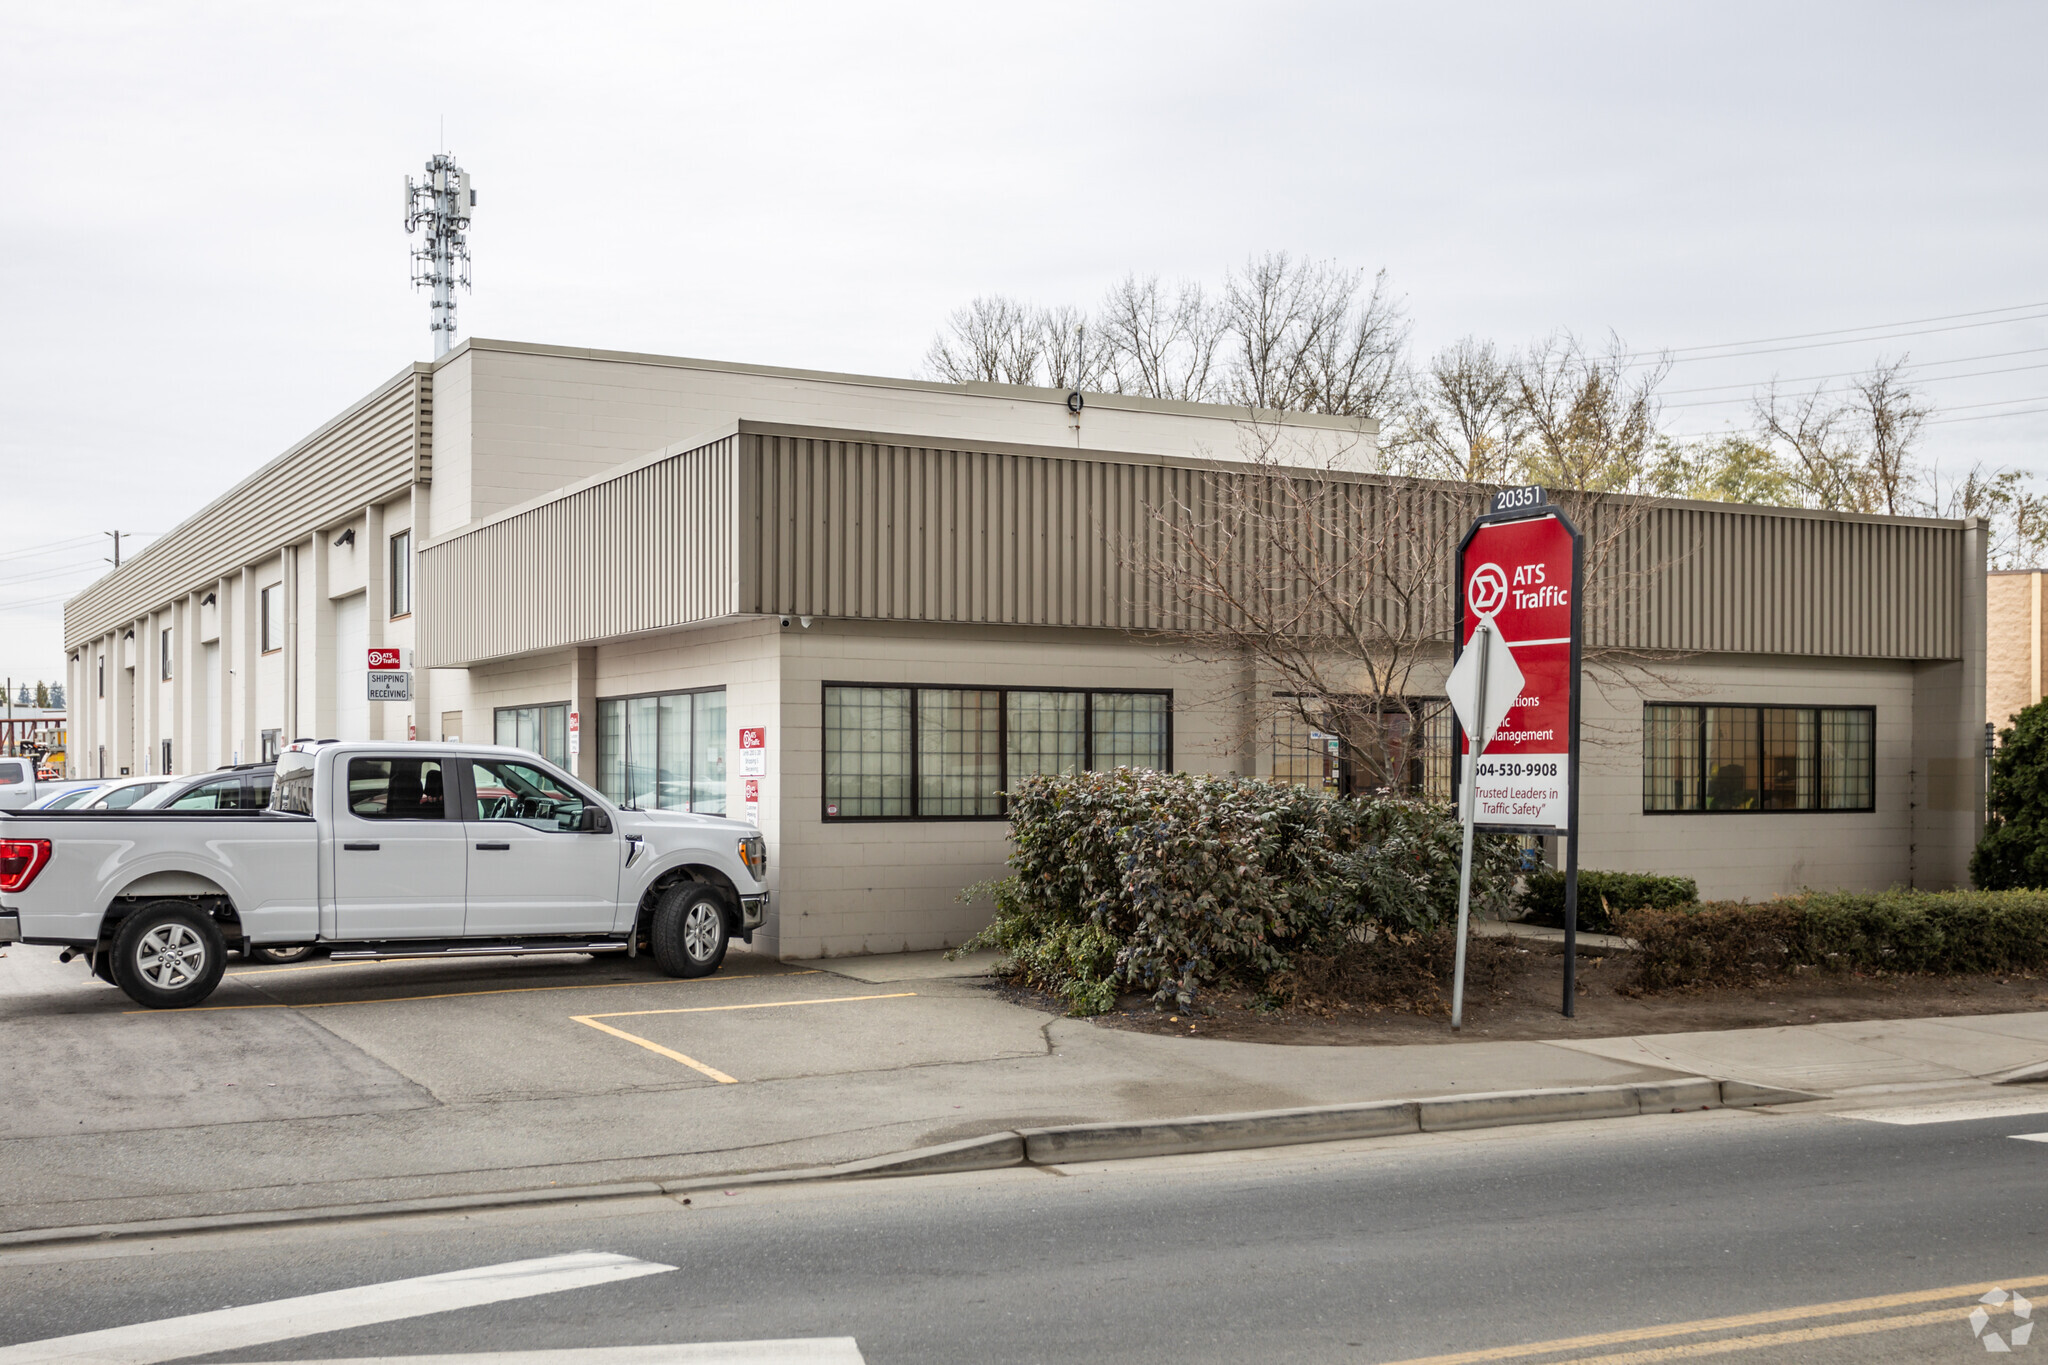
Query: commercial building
[[853, 609], [2016, 642]]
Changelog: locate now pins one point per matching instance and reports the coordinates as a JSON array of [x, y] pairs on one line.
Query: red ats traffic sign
[[1523, 574]]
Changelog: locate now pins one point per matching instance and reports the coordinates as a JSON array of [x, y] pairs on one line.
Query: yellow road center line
[[764, 1005], [1798, 1336], [1760, 1319], [458, 995], [713, 1072]]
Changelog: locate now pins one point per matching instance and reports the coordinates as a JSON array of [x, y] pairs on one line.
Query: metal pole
[[1471, 794]]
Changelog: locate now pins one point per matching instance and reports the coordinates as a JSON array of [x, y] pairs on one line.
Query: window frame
[[399, 566], [268, 623], [540, 710], [1699, 750], [690, 757], [1002, 744], [164, 654]]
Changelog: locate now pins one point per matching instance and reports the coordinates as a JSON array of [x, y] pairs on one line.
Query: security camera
[[785, 623]]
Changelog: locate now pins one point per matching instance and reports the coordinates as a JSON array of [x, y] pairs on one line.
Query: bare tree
[[1305, 336], [1160, 345], [991, 340], [1891, 416], [2016, 515], [1591, 418], [1073, 351], [1463, 419]]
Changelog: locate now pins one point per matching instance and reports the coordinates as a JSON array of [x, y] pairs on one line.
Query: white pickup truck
[[380, 851]]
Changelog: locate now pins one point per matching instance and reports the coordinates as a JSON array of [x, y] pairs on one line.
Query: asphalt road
[[1428, 1246]]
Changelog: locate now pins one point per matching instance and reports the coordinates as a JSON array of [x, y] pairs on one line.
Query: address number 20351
[[1516, 499]]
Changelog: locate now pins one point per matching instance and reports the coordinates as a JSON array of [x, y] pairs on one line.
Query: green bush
[[1897, 931], [2014, 850], [1163, 883], [1604, 896]]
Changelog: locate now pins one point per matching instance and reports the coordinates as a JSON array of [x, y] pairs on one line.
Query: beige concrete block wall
[[2014, 609], [1747, 855], [893, 886]]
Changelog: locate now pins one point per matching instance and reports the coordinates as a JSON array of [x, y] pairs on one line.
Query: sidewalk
[[359, 1084]]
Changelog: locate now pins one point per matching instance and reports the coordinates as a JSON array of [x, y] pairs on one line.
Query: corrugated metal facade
[[778, 520], [649, 549], [372, 451]]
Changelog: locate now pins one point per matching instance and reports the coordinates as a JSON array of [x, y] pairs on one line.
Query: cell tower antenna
[[442, 203]]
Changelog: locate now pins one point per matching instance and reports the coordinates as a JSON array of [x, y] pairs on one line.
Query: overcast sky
[[201, 255]]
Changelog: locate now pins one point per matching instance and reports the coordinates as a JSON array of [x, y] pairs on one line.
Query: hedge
[[1897, 931], [1166, 883], [1604, 896]]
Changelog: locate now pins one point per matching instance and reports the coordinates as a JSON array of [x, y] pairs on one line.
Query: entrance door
[[531, 870], [400, 866]]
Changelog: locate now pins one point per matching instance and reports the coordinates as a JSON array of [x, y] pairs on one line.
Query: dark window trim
[[665, 692], [1002, 744], [1700, 742], [597, 738], [394, 609]]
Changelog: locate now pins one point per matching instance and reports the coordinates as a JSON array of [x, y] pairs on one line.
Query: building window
[[1714, 759], [273, 744], [167, 757], [271, 602], [103, 685], [665, 751], [1404, 749], [401, 574], [542, 730], [163, 652], [945, 753]]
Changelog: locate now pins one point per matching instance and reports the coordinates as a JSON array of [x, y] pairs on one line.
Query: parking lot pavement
[[334, 1083]]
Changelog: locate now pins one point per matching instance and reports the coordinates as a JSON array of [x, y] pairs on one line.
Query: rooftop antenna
[[442, 203]]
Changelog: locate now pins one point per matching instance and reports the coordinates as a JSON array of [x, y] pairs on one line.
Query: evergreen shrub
[[1165, 883], [2013, 851], [1603, 897]]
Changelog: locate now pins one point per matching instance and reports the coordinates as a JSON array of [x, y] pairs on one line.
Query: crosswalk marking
[[796, 1351], [1951, 1111], [259, 1324]]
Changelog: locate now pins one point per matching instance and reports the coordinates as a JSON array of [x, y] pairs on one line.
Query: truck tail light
[[754, 854], [20, 860]]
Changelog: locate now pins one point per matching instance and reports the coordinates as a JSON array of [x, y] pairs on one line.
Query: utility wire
[[1929, 379], [1851, 374], [1843, 331], [1984, 416]]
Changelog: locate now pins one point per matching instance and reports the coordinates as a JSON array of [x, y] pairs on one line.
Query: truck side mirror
[[593, 821]]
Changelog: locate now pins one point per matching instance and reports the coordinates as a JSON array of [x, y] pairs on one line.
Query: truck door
[[532, 869], [400, 869]]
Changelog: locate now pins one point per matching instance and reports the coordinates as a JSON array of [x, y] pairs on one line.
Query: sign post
[[1520, 577]]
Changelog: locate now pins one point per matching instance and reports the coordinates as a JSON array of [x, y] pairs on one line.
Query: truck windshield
[[293, 790]]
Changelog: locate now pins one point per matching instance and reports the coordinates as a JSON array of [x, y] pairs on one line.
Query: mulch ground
[[1529, 1007]]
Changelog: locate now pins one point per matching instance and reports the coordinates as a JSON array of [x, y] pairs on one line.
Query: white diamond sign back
[[1481, 717]]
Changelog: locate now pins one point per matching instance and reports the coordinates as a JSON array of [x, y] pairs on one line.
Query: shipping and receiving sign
[[1520, 577]]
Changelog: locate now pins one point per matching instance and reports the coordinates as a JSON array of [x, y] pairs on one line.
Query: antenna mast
[[442, 203]]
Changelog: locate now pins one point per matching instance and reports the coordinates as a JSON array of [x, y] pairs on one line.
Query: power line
[[1816, 345], [1929, 379], [77, 542], [1850, 374], [1842, 331], [1985, 416]]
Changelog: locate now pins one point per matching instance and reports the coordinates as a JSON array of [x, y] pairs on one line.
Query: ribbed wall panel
[[369, 453], [777, 522], [650, 549]]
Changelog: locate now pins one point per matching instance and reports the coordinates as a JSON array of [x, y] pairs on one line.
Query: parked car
[[120, 793], [379, 851], [63, 795], [241, 786]]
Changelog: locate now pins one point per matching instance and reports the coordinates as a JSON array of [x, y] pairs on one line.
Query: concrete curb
[[1067, 1144], [2025, 1075]]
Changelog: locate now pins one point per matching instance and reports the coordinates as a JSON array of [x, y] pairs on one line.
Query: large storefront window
[[940, 753], [1710, 759], [542, 730], [1402, 749], [663, 752]]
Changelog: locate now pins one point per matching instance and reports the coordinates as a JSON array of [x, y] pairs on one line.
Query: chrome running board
[[610, 945]]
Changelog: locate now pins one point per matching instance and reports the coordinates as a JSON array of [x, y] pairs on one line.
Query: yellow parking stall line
[[763, 1005], [458, 995], [1628, 1336], [713, 1072]]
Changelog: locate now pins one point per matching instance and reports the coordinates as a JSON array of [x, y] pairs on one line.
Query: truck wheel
[[167, 955], [689, 931], [283, 952]]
